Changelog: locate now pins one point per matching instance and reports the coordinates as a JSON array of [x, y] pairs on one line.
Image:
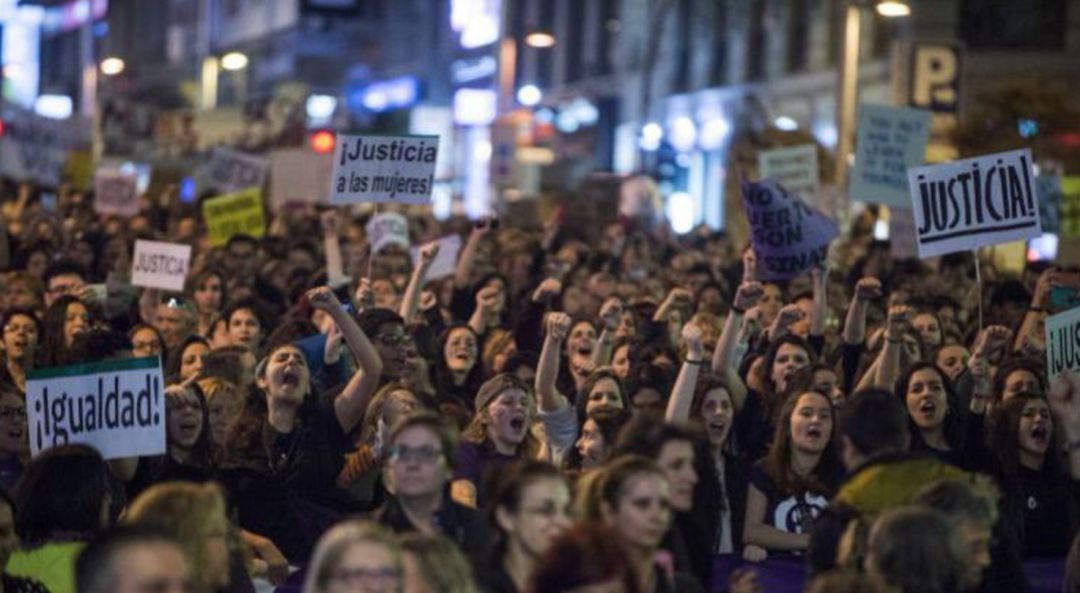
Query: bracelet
[[700, 362], [735, 309], [1036, 310]]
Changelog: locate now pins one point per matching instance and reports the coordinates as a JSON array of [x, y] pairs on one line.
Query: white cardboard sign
[[445, 263], [300, 175], [116, 193], [230, 170], [387, 228], [117, 407], [964, 205], [890, 141], [396, 169], [160, 265], [1063, 343], [795, 168]]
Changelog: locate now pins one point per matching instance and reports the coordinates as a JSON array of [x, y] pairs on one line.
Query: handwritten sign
[[902, 233], [890, 141], [116, 192], [445, 263], [1069, 213], [300, 175], [788, 236], [117, 407], [387, 228], [239, 213], [795, 168], [230, 170], [967, 204], [398, 169], [35, 148], [1063, 343], [160, 265]]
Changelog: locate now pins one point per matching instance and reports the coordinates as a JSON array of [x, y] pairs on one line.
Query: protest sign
[[300, 175], [967, 204], [795, 168], [890, 141], [35, 148], [1048, 194], [387, 228], [239, 213], [117, 407], [788, 236], [1069, 212], [398, 169], [445, 263], [1063, 343], [160, 265], [902, 233], [116, 192], [230, 170]]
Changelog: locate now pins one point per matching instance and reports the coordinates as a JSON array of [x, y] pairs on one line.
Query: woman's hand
[[897, 322], [322, 298], [691, 335], [548, 289], [752, 553], [428, 253], [557, 325], [868, 289], [610, 314], [365, 296], [748, 295]]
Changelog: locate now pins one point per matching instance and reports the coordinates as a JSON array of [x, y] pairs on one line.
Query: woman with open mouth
[[66, 318], [934, 414], [20, 341], [187, 441], [1037, 486], [457, 374], [791, 487], [286, 449]]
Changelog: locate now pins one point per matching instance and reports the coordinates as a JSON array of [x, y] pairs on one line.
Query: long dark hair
[[778, 461], [441, 375], [55, 349], [590, 382], [507, 493], [176, 357], [953, 422]]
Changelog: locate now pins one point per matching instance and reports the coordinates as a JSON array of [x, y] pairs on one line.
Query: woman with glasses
[[21, 333], [146, 341], [356, 557], [530, 509], [187, 441]]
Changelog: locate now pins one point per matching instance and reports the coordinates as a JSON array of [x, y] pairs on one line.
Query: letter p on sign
[[935, 77]]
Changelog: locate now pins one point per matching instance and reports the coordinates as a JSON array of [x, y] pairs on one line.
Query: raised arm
[[548, 397], [335, 267], [1028, 334], [724, 360], [866, 290], [990, 339], [787, 316], [820, 279], [350, 404], [888, 370], [463, 272], [682, 394], [610, 314], [485, 302], [411, 300]]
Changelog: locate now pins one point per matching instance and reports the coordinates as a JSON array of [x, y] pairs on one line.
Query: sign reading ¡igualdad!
[[117, 407], [396, 169], [967, 204]]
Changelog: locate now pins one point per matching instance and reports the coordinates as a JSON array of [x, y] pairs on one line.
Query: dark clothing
[[1048, 503], [676, 582], [21, 585], [464, 526], [11, 469], [791, 512], [753, 429], [476, 461], [493, 578], [287, 492]]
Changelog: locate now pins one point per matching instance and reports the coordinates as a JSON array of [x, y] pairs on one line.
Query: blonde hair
[[442, 565], [189, 512], [333, 544]]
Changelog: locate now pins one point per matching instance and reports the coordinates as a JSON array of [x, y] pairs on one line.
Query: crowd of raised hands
[[609, 411]]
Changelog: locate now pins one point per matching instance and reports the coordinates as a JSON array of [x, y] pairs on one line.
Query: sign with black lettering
[[396, 169], [230, 170], [117, 407], [788, 236], [935, 77], [964, 205], [890, 141], [160, 265], [116, 192], [1063, 343], [1069, 211], [794, 167], [239, 213]]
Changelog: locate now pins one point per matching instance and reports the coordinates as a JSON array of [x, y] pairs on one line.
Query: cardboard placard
[[788, 236], [300, 175], [117, 407], [795, 168], [1063, 343], [387, 228], [160, 265], [239, 213], [230, 170], [35, 148], [445, 263], [890, 141], [1069, 211], [902, 233], [964, 205], [116, 192], [397, 169]]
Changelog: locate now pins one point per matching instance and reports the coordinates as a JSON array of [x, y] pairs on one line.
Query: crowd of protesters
[[608, 411]]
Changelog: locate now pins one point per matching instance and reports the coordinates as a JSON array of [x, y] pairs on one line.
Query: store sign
[[935, 77]]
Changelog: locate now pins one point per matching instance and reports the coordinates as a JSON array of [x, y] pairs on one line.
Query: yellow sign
[[1070, 207], [238, 213]]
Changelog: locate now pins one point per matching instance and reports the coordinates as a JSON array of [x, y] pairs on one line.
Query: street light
[[529, 95], [540, 39], [233, 61], [847, 80], [112, 66]]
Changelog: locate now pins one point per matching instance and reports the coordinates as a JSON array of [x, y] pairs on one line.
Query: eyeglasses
[[425, 454], [12, 412], [24, 329], [393, 339], [547, 511], [364, 578]]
